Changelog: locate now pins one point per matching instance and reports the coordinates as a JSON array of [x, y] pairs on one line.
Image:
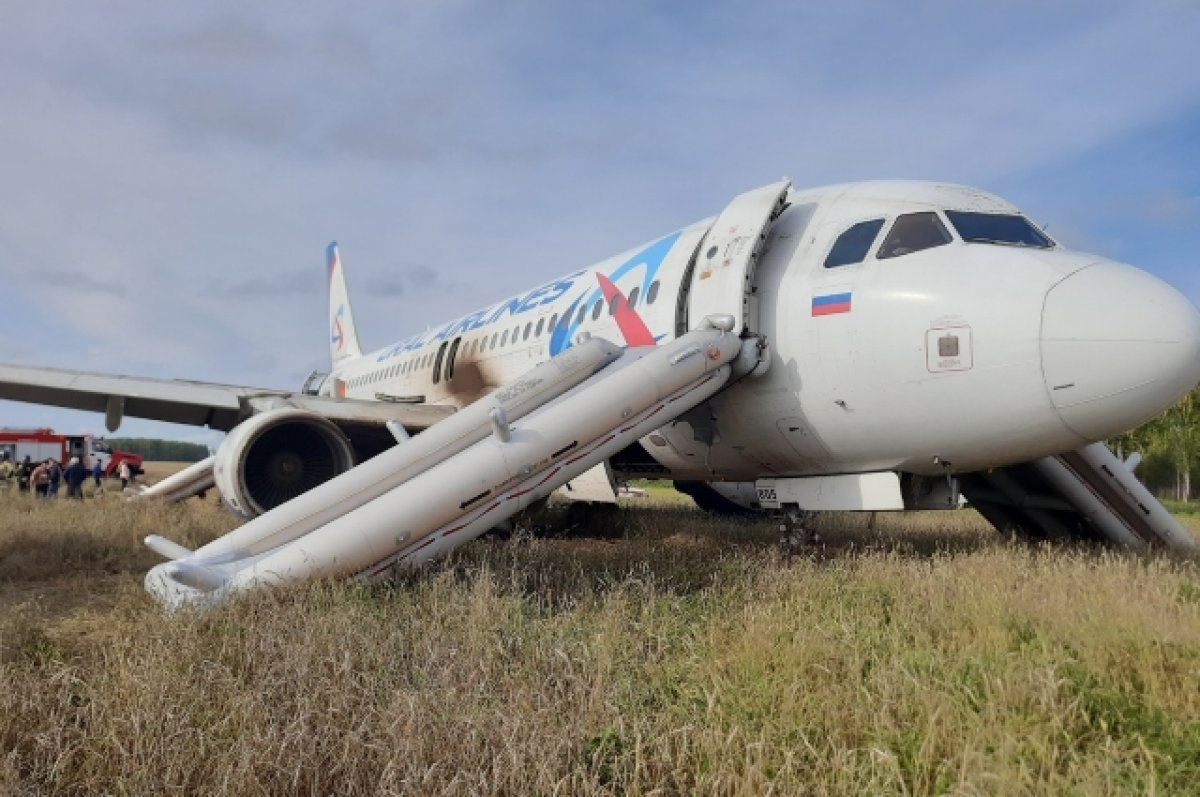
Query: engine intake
[[274, 456]]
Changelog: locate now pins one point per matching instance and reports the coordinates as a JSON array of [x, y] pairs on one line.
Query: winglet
[[343, 338]]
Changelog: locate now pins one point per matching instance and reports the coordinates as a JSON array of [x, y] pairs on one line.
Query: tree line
[[1169, 445], [160, 450]]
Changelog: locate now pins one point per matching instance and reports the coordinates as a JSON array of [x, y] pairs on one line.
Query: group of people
[[45, 478]]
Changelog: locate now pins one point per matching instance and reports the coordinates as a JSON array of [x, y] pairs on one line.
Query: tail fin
[[343, 338]]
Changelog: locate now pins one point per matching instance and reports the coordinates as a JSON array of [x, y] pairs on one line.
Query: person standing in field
[[123, 474], [54, 471], [24, 473], [75, 475], [40, 479], [8, 468], [97, 472]]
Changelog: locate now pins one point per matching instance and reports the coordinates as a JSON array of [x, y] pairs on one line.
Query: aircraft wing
[[209, 404]]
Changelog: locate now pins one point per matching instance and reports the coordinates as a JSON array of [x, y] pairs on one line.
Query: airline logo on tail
[[338, 336]]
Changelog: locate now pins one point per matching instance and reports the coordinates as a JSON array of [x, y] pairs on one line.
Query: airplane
[[874, 346]]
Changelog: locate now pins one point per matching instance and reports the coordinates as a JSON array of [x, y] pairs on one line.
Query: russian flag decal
[[831, 303]]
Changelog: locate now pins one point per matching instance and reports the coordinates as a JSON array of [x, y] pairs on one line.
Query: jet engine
[[272, 457]]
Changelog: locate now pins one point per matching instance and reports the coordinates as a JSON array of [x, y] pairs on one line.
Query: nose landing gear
[[797, 531]]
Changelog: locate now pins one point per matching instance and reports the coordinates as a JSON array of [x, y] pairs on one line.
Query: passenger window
[[493, 343], [537, 332], [553, 322], [579, 318], [913, 232], [652, 293], [528, 329], [597, 309], [852, 245], [614, 304], [633, 297], [504, 338]]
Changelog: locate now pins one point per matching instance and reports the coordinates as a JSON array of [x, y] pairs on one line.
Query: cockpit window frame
[[881, 222], [950, 213], [881, 253]]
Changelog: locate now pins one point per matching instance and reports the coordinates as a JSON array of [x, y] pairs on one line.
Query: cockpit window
[[913, 232], [852, 245], [997, 228]]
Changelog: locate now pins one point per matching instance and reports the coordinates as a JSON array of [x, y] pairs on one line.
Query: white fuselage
[[958, 356]]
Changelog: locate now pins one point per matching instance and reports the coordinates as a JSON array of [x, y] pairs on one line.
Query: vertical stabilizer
[[343, 338]]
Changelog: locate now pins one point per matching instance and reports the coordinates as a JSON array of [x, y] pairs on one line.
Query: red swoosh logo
[[632, 327]]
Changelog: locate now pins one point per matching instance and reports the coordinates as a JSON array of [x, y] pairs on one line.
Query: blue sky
[[173, 172]]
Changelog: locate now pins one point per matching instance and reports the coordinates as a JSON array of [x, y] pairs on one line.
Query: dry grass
[[923, 655]]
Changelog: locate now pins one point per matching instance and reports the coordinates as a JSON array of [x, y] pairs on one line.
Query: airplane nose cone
[[1118, 347]]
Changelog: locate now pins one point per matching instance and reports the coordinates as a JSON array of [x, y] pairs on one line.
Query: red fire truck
[[41, 444]]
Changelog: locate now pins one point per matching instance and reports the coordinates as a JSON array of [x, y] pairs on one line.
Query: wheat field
[[903, 654]]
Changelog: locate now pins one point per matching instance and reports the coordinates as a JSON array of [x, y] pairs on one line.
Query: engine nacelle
[[722, 498], [272, 457]]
